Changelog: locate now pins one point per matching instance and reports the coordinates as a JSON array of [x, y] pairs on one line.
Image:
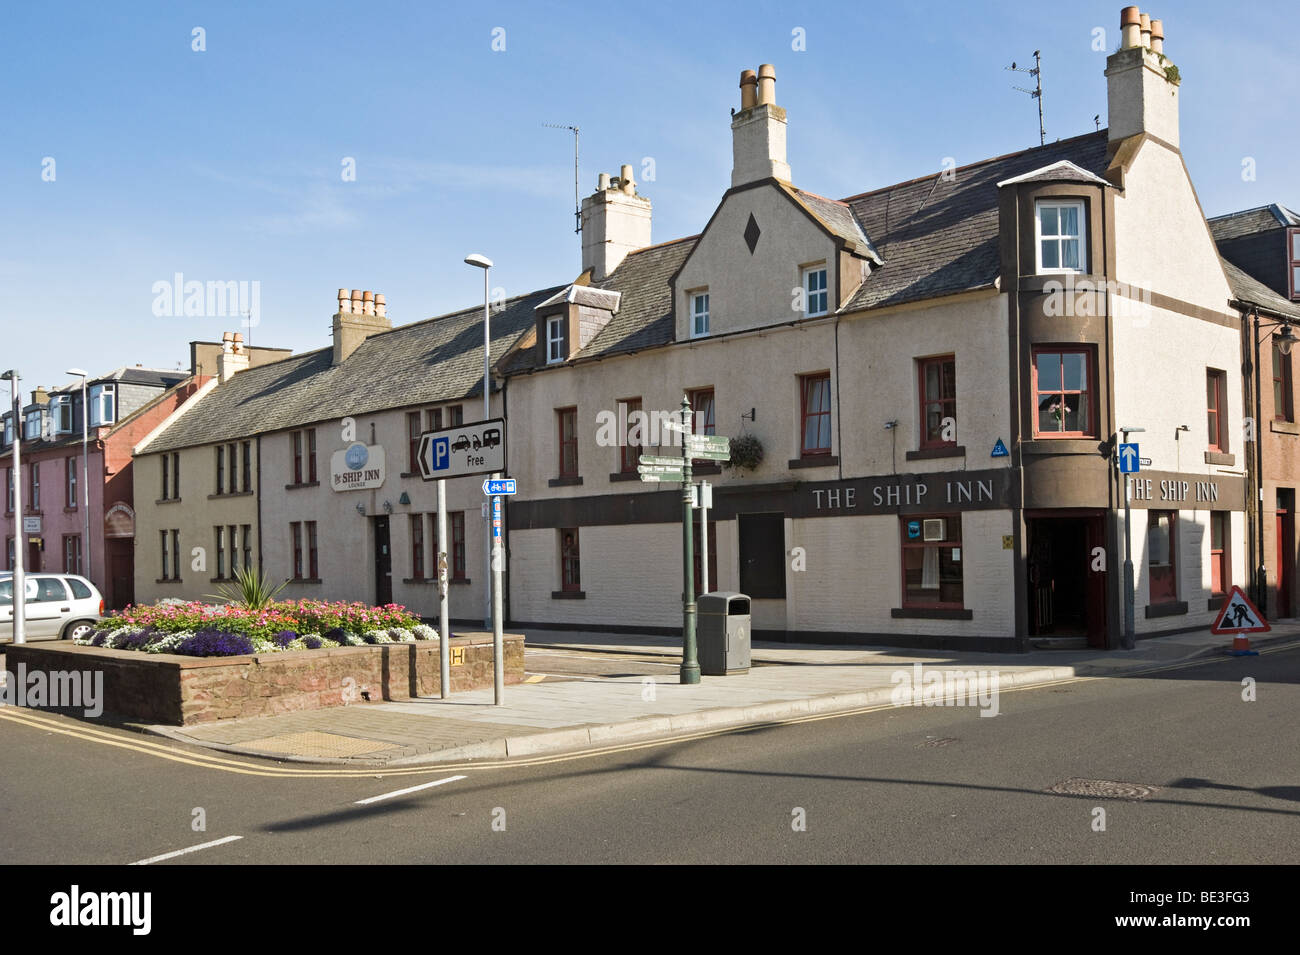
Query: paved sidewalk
[[570, 715]]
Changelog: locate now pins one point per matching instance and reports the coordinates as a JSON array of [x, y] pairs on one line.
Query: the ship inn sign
[[910, 494], [357, 467]]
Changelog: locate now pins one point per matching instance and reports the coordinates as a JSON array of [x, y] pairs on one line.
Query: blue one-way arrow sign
[[503, 486], [1130, 462]]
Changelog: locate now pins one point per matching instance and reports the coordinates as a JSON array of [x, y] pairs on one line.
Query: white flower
[[423, 631]]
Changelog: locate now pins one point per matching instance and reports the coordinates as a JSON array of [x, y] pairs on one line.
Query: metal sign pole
[[444, 629], [690, 670], [498, 648]]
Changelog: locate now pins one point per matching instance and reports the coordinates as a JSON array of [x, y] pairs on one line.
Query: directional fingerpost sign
[[1238, 615], [502, 486], [478, 448], [1130, 462]]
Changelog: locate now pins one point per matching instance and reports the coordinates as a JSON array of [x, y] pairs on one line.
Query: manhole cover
[[1102, 789], [314, 743], [939, 740]]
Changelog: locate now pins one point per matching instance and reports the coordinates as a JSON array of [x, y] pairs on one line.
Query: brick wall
[[179, 691]]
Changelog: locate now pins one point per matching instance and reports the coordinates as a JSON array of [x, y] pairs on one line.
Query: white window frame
[[555, 340], [698, 329], [1076, 204], [32, 422], [97, 395], [8, 438], [58, 404], [824, 291]]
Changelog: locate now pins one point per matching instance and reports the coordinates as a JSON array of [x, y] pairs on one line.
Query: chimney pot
[[345, 303], [381, 307], [1130, 24], [1157, 36], [767, 85], [1145, 30], [626, 182], [368, 303], [748, 89], [602, 182]]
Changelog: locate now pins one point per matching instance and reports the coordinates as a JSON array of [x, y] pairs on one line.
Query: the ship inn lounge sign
[[357, 467]]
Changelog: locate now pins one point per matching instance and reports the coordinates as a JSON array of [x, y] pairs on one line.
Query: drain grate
[[1103, 789], [939, 740]]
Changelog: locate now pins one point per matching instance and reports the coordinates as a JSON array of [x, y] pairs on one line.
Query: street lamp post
[[19, 584], [85, 473], [492, 552]]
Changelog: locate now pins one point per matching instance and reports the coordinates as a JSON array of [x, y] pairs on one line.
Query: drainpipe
[[259, 505], [1261, 573]]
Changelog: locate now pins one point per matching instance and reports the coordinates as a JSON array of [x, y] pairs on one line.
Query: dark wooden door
[[1285, 560], [383, 563], [121, 573]]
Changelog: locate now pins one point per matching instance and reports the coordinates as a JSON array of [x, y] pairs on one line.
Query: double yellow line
[[64, 726]]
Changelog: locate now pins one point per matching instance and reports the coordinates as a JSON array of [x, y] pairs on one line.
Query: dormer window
[[1062, 246], [699, 314], [103, 405], [9, 431], [32, 426], [61, 409], [814, 291], [1293, 261], [554, 340]]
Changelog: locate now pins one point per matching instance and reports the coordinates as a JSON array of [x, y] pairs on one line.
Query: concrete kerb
[[667, 728]]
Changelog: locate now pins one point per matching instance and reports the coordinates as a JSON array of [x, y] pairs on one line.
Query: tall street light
[[19, 584], [85, 472], [492, 539]]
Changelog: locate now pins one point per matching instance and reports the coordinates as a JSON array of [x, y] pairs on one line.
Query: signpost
[[477, 448], [1129, 461], [657, 468]]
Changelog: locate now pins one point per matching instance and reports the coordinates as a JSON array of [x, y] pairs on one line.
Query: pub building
[[924, 383], [937, 372]]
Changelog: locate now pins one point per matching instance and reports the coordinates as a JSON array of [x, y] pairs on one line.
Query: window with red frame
[[702, 406], [1162, 556], [1220, 553], [413, 433], [1216, 406], [633, 434], [570, 562], [568, 426], [1063, 392], [417, 542], [1283, 399], [937, 378], [457, 545], [932, 561], [295, 528], [816, 416], [314, 568]]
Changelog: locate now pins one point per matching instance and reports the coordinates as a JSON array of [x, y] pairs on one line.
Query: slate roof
[[1254, 240], [939, 236], [1249, 290], [1250, 221], [439, 359], [838, 217]]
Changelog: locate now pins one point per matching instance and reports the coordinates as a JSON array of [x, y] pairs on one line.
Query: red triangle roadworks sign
[[1238, 615]]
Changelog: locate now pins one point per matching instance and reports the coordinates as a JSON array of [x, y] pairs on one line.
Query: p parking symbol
[[441, 453]]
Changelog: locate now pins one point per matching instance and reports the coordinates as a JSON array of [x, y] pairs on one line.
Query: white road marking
[[181, 852], [409, 789]]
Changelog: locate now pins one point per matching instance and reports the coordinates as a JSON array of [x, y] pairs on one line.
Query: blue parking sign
[[441, 453]]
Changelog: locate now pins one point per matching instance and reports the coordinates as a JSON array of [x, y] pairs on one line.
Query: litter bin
[[723, 633]]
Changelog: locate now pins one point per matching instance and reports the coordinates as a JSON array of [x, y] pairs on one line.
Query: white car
[[58, 606]]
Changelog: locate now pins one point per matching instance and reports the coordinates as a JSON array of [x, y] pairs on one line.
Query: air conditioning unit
[[934, 529]]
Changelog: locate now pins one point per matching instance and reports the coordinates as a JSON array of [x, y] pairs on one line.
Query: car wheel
[[77, 629]]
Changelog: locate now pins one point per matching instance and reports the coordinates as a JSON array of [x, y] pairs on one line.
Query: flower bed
[[215, 630]]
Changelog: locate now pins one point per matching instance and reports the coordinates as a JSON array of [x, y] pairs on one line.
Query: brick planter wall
[[178, 691]]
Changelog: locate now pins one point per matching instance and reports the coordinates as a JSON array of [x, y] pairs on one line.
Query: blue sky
[[225, 164]]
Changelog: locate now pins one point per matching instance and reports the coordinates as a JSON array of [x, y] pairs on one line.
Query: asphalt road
[[906, 785]]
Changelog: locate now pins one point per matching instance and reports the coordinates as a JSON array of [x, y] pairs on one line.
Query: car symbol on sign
[[460, 444]]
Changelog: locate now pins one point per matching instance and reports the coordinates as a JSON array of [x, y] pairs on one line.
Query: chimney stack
[[1141, 83], [360, 315], [615, 221], [40, 396], [758, 130], [233, 357]]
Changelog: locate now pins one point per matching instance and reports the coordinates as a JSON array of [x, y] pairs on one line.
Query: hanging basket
[[746, 453]]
